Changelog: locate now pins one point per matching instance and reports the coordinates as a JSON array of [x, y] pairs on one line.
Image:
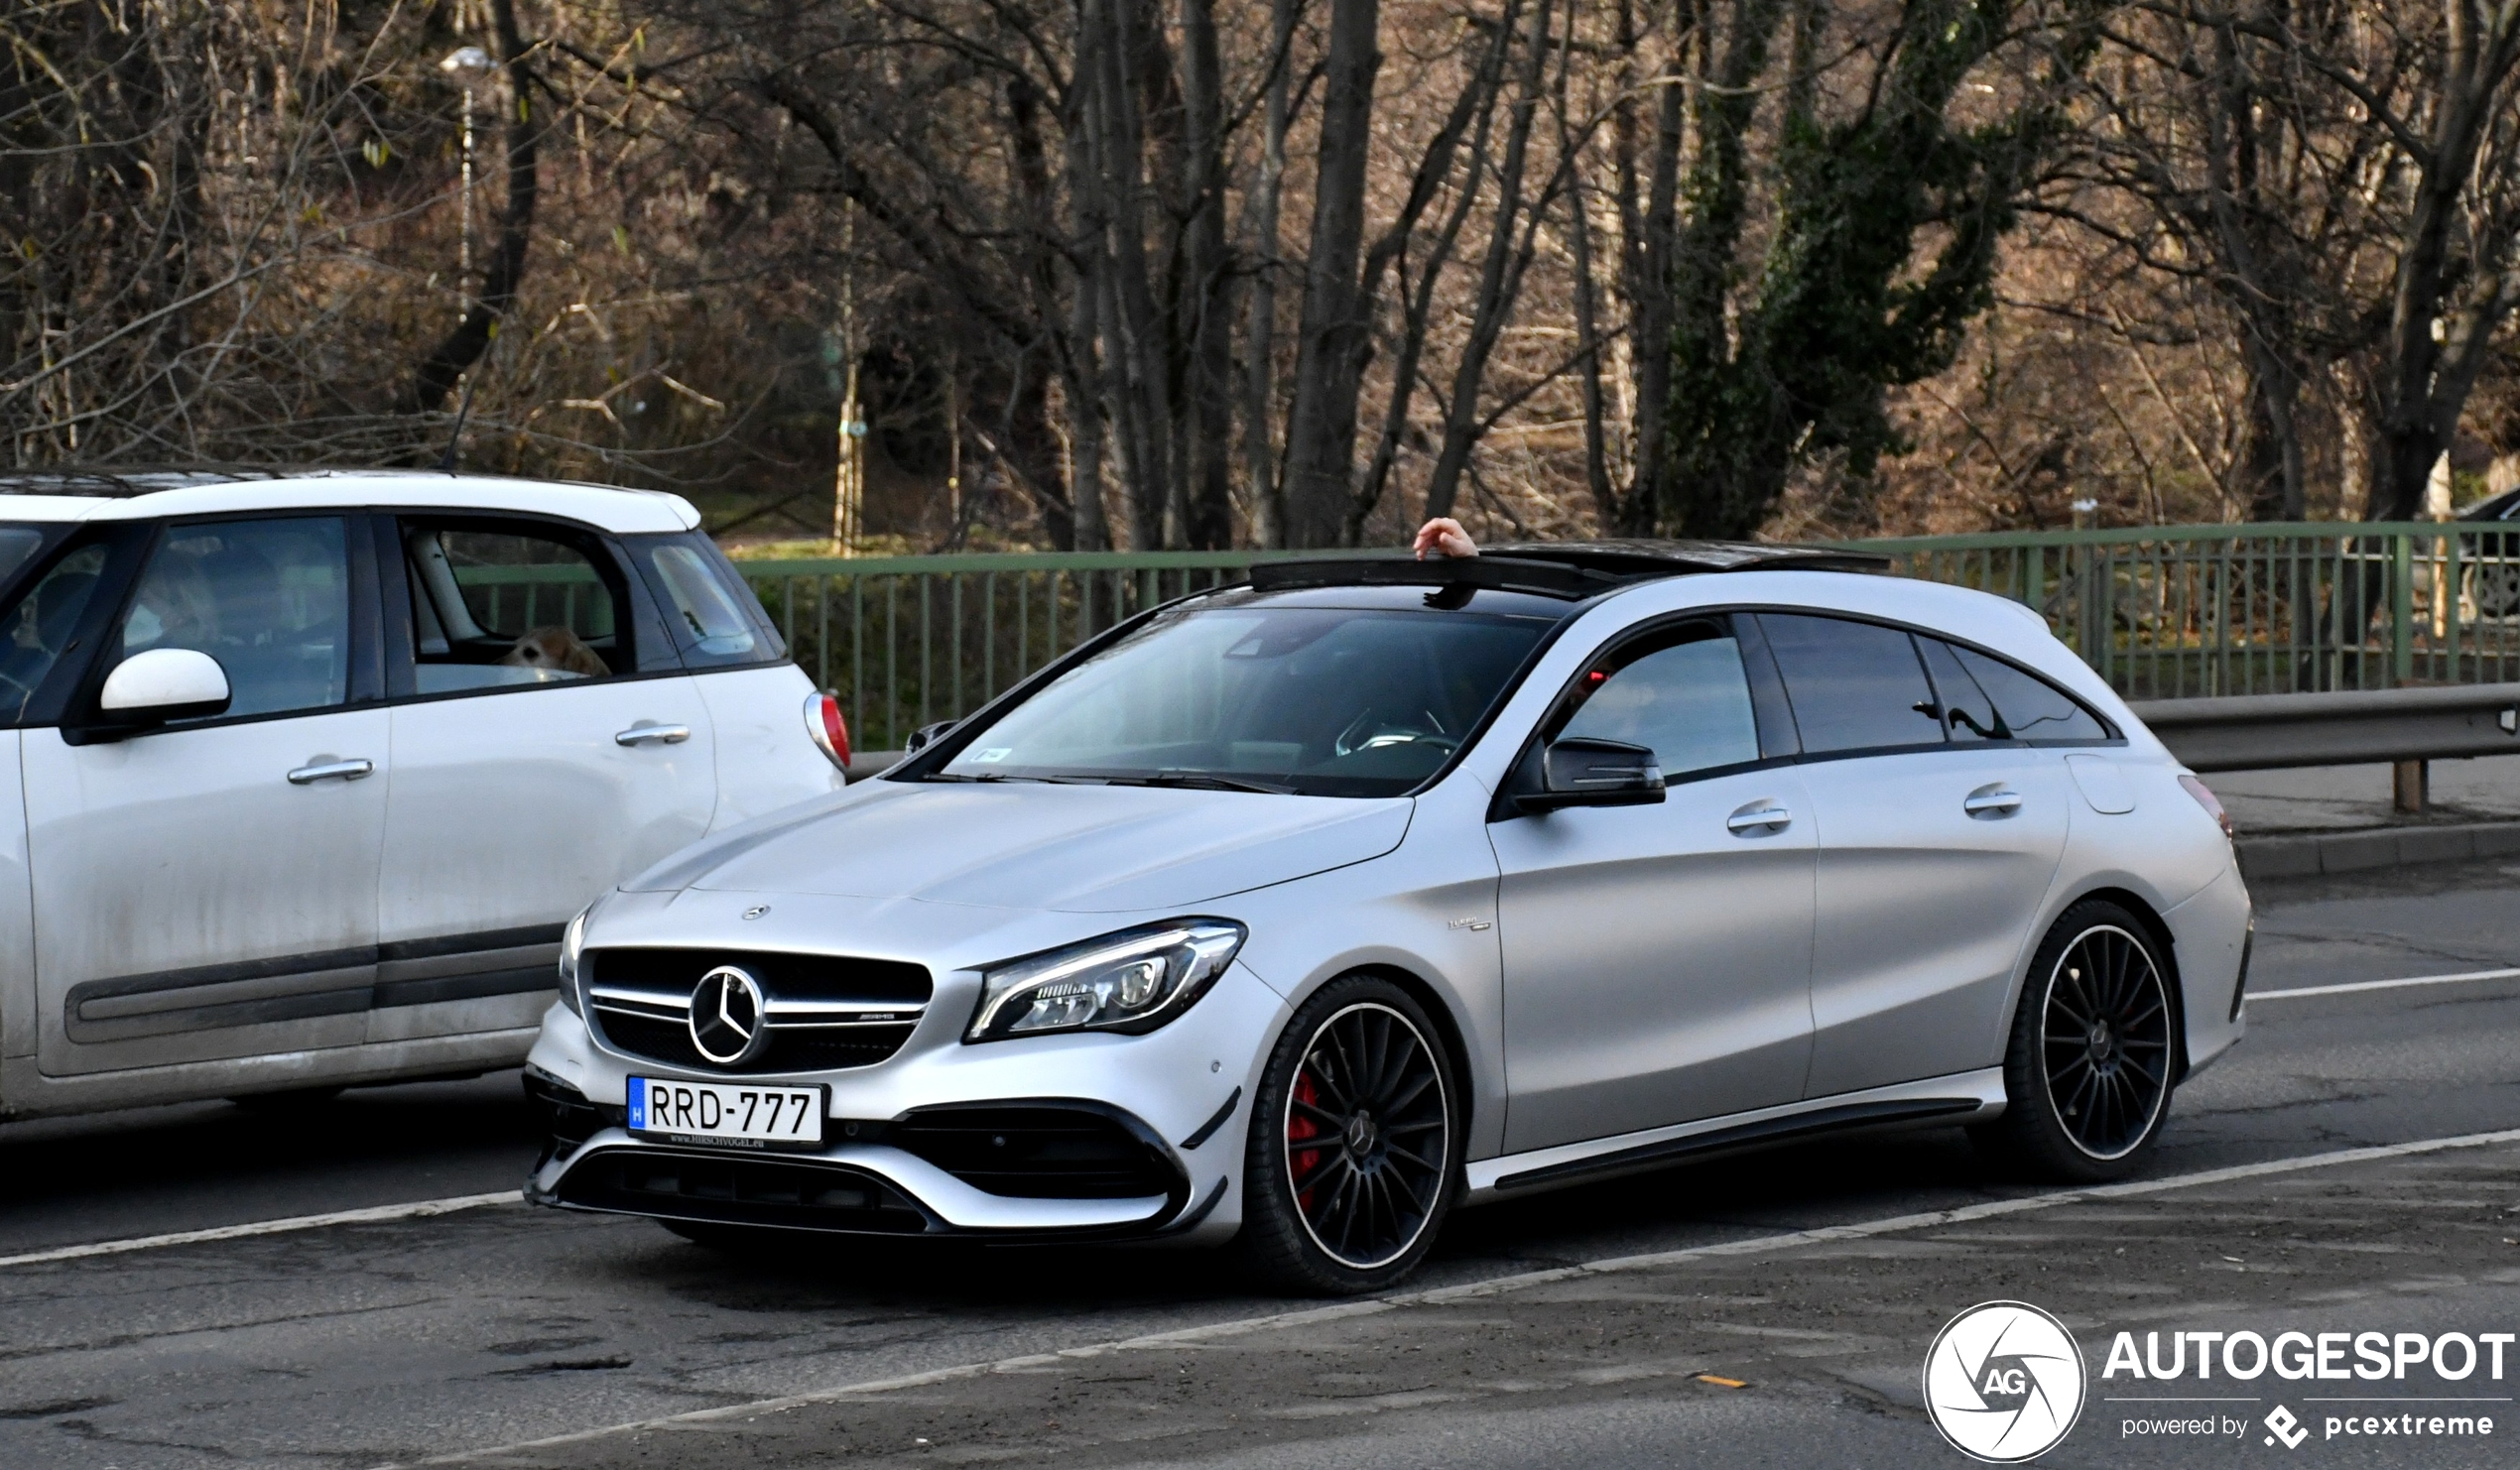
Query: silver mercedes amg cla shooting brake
[[1306, 911]]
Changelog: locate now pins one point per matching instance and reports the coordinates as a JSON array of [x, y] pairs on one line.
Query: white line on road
[[1754, 1245], [2467, 977], [368, 1216]]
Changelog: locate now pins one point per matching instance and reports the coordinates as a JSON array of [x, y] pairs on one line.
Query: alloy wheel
[[2104, 1039], [1366, 1135]]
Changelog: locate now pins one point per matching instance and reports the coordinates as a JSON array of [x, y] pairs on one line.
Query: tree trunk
[[1206, 288], [1335, 337], [1268, 504], [1499, 278]]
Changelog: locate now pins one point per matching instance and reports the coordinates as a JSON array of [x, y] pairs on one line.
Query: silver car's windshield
[[1318, 700]]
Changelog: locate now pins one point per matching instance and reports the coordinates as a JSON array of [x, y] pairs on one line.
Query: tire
[[1356, 1140], [2087, 1070]]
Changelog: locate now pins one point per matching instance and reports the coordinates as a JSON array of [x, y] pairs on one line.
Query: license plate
[[734, 1116]]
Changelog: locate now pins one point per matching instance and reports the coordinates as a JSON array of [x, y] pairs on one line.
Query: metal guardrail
[[2161, 612], [2260, 732]]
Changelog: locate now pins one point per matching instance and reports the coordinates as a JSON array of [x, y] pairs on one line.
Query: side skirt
[[1962, 1097]]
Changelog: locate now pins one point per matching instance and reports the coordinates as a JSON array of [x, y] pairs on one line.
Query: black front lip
[[1180, 1211]]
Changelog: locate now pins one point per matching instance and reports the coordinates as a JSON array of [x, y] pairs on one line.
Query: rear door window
[[1853, 686], [507, 608]]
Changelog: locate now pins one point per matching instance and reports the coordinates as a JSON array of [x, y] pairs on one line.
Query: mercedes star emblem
[[726, 1017]]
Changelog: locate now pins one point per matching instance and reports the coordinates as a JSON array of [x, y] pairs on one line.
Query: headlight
[[1133, 981], [572, 940]]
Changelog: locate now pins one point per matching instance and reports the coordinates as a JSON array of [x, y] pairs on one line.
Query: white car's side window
[[270, 601], [496, 609]]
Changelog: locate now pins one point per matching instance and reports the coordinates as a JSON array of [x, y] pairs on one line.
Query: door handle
[[1759, 818], [661, 734], [330, 771], [1995, 802]]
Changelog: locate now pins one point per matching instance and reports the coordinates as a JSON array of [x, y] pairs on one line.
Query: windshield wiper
[[1203, 781]]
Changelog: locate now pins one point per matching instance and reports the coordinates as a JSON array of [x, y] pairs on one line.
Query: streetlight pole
[[466, 65]]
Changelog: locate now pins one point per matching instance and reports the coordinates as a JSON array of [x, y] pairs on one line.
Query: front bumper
[[1152, 1136]]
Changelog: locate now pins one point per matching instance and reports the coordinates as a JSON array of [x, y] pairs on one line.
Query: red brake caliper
[[1301, 1162]]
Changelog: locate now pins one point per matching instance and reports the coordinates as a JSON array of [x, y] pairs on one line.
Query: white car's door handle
[[1998, 803], [661, 734], [1759, 820], [330, 771]]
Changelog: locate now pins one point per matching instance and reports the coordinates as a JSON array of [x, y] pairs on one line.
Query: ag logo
[[2004, 1382]]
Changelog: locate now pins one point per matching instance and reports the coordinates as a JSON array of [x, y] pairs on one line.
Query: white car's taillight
[[2206, 798], [830, 732]]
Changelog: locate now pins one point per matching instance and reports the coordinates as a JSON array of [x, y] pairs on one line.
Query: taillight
[[830, 732], [2206, 799]]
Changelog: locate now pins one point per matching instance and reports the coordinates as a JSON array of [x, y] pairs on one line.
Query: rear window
[[714, 616], [1986, 698]]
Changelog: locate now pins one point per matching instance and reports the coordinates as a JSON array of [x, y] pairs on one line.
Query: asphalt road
[[366, 1344]]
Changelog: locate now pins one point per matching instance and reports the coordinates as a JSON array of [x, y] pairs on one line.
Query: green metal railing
[[2162, 612], [2181, 611]]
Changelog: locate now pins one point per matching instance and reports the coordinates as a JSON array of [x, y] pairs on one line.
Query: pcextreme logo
[[2004, 1382]]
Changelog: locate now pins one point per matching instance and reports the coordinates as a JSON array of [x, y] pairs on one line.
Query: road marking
[[1497, 1286], [2310, 990], [413, 1211]]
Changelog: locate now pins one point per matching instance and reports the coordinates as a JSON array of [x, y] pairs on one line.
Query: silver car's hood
[[1081, 848]]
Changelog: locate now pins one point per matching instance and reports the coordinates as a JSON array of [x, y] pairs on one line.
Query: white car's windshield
[[1317, 700]]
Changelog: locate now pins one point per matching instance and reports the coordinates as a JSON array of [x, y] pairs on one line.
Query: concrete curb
[[2380, 847]]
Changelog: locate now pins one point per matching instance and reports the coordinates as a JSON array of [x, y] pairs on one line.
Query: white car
[[306, 772], [1311, 909]]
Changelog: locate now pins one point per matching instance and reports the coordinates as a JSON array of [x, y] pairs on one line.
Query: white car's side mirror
[[163, 684]]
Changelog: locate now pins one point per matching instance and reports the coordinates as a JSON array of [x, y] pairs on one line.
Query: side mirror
[[927, 735], [1581, 771], [161, 684]]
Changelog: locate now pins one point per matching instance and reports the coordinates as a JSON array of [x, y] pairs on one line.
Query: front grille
[[1037, 1153], [790, 1049], [740, 1191], [827, 1012], [798, 977]]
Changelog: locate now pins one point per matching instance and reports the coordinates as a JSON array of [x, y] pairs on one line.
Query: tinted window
[[17, 544], [1688, 700], [495, 609], [1853, 686], [1325, 702], [1967, 712], [2027, 706], [40, 625], [270, 601]]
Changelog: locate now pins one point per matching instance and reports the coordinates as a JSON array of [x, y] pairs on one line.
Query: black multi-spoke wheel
[[1354, 1144], [2105, 1040], [2088, 1073]]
